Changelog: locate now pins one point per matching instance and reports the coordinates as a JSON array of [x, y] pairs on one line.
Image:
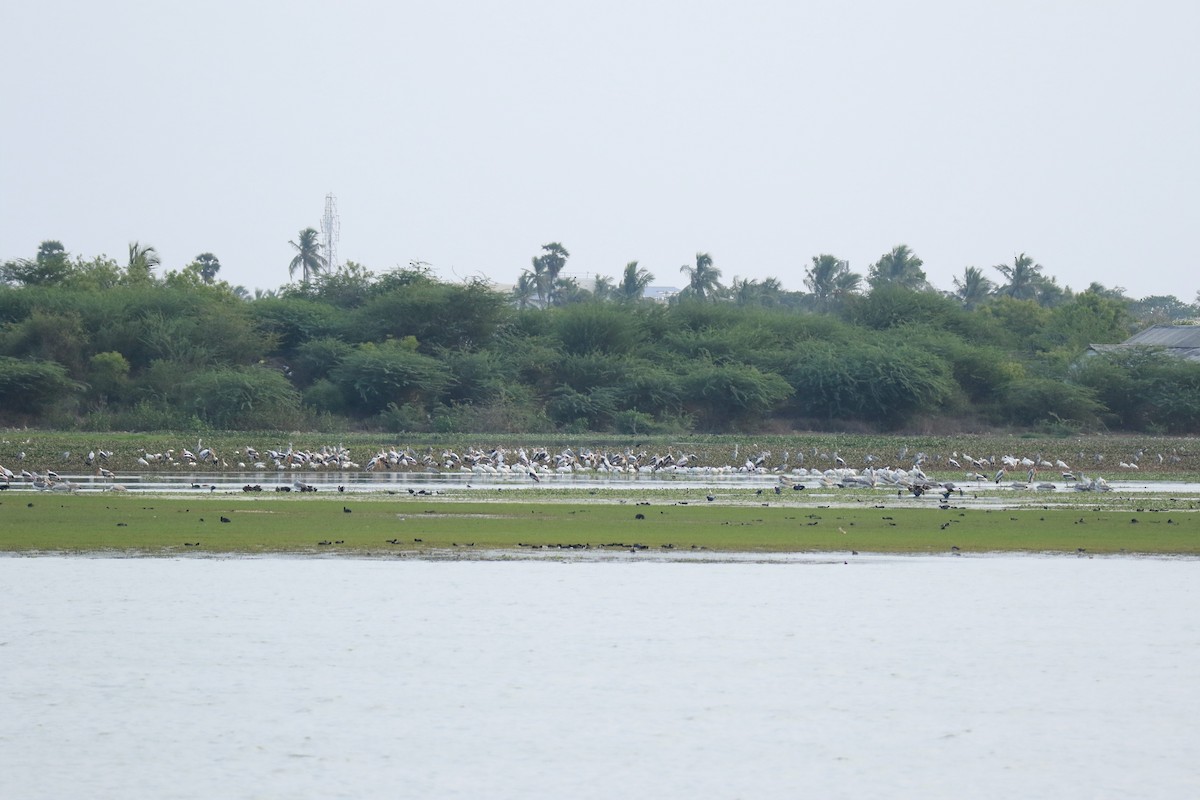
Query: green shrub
[[243, 397], [30, 388]]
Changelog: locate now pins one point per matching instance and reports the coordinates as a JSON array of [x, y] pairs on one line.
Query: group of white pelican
[[539, 462]]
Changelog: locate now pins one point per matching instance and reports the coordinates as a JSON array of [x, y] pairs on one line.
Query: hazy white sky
[[468, 134]]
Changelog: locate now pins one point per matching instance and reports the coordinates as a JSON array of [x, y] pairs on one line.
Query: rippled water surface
[[807, 677]]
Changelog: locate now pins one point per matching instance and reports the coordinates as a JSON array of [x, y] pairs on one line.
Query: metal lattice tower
[[331, 230]]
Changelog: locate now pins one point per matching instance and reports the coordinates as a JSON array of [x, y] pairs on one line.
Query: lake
[[278, 677]]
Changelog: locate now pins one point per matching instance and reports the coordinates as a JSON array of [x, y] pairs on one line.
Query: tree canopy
[[95, 344]]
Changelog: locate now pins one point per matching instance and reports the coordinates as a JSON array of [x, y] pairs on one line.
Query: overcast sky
[[469, 134]]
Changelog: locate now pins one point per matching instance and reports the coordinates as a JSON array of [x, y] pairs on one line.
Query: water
[[931, 677], [194, 482]]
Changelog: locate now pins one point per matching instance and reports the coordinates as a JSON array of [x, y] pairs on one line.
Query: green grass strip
[[164, 525]]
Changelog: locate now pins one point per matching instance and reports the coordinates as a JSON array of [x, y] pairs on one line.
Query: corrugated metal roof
[[1186, 336], [1181, 341]]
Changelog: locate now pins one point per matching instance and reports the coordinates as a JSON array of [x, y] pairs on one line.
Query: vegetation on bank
[[96, 346]]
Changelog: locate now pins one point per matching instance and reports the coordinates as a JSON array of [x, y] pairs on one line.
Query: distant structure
[[331, 230], [1181, 341], [660, 294]]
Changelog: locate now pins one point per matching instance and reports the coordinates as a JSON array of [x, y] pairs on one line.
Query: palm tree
[[525, 290], [633, 283], [567, 291], [545, 272], [830, 280], [208, 265], [308, 258], [973, 289], [51, 250], [603, 288], [704, 280], [1023, 278], [142, 261], [749, 292], [900, 267]]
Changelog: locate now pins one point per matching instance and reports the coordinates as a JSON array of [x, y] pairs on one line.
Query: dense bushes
[[242, 397], [29, 388], [881, 384], [1145, 389], [407, 352]]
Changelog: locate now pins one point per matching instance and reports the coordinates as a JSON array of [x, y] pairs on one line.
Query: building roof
[[1182, 341]]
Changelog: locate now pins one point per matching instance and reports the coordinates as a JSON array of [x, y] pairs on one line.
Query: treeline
[[93, 345]]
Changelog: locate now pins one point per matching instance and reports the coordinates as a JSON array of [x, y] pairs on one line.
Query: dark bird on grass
[[324, 542], [345, 510], [225, 519], [709, 497]]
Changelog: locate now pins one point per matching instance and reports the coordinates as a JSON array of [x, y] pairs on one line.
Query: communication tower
[[331, 230]]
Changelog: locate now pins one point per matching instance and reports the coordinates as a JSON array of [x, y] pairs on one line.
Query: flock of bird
[[536, 463]]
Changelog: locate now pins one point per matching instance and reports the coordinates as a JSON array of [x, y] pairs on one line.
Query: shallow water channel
[[198, 482], [932, 677]]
